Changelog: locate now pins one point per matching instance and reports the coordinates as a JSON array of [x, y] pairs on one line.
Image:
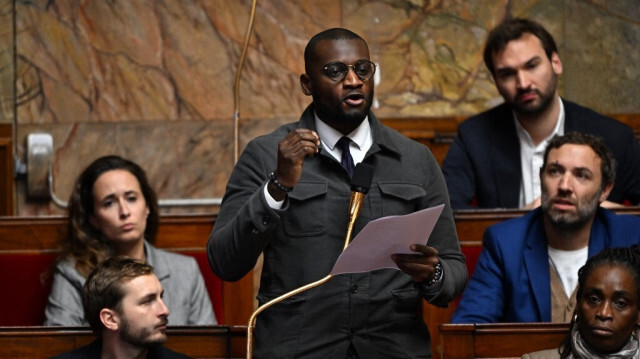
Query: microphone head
[[362, 176]]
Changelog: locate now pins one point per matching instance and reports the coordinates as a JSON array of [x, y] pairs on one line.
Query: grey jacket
[[184, 291], [378, 312]]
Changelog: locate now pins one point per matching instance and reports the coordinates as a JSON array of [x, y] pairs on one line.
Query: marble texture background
[[153, 80], [7, 68]]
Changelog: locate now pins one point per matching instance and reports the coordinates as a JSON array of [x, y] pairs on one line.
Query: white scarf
[[580, 349]]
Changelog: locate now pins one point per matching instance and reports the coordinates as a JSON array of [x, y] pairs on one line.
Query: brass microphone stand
[[354, 212]]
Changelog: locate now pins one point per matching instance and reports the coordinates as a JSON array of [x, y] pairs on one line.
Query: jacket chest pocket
[[400, 197], [307, 213]]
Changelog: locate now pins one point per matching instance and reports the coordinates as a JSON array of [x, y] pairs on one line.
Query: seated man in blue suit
[[510, 139], [528, 268]]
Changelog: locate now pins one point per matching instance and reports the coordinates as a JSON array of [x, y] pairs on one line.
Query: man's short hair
[[335, 33], [104, 287], [512, 29], [607, 161]]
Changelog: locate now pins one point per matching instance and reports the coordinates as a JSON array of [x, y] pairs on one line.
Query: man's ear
[[305, 84], [556, 63], [110, 319], [605, 191]]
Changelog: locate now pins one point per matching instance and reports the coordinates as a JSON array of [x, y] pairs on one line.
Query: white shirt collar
[[330, 136], [525, 138]]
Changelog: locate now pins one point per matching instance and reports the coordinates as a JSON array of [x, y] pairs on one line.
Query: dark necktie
[[346, 160]]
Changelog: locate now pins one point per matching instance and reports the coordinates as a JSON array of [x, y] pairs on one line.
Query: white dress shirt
[[531, 158]]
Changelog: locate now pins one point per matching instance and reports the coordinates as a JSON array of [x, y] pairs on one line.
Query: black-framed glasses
[[337, 71]]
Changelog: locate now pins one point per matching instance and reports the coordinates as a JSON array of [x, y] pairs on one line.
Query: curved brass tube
[[354, 212], [236, 85]]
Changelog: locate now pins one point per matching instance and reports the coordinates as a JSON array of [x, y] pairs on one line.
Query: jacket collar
[[536, 262], [160, 267]]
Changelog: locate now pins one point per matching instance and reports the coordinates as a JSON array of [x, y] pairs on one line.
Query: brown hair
[[512, 29], [104, 286], [607, 161], [85, 243]]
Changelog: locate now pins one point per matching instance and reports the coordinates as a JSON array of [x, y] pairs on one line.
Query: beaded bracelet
[[437, 275], [272, 177]]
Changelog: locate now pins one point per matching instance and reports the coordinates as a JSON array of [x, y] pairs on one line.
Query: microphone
[[360, 185]]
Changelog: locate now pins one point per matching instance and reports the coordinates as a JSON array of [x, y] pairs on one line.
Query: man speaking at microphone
[[288, 198]]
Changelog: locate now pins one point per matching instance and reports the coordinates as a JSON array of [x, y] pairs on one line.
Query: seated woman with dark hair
[[114, 211], [607, 316]]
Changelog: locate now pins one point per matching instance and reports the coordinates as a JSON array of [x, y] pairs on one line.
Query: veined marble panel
[[154, 79], [7, 65]]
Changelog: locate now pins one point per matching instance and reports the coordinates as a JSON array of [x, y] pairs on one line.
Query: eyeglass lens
[[337, 71]]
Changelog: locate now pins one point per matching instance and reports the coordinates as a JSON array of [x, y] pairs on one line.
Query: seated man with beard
[[528, 268], [122, 301]]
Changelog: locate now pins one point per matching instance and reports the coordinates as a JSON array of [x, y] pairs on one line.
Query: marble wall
[[153, 80], [7, 68]]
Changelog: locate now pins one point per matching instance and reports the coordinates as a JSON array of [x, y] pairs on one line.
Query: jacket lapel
[[505, 148], [599, 238], [537, 267]]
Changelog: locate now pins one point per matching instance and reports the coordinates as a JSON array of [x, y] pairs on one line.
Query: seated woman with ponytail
[[607, 315]]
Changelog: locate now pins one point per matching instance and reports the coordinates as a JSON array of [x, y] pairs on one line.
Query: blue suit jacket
[[511, 281], [484, 160]]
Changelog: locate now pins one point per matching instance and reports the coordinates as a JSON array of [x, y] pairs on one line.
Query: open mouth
[[563, 203], [354, 99]]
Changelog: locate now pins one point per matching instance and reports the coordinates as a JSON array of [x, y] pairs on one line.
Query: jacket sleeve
[[483, 299], [459, 172], [445, 240], [64, 306], [246, 222]]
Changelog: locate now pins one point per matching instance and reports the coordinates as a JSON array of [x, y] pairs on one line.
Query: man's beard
[[139, 338], [337, 115], [567, 221], [546, 99]]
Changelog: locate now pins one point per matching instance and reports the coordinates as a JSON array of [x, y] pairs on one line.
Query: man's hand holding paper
[[394, 242]]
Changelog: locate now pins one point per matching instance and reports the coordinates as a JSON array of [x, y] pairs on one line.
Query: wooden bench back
[[466, 341], [196, 342], [39, 237]]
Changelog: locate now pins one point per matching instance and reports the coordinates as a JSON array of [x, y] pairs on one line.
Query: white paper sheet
[[372, 248]]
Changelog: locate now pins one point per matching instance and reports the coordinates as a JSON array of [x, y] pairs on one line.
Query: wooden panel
[[45, 233], [197, 342], [505, 340], [6, 170]]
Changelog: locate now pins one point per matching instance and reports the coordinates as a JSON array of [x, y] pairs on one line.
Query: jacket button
[[354, 288], [265, 220]]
